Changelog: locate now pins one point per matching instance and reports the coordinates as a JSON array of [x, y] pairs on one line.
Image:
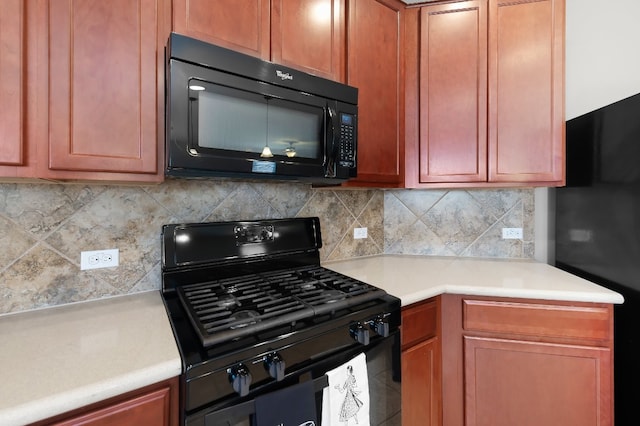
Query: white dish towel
[[345, 402]]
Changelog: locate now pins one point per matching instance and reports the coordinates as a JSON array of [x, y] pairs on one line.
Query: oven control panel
[[253, 234]]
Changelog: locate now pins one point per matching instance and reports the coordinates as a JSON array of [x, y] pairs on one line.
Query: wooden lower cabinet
[[153, 405], [516, 382], [421, 364], [483, 361], [420, 393]]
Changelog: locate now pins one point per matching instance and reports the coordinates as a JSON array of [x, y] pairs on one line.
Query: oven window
[[235, 120]]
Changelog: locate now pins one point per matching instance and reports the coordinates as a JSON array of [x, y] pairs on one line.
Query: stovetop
[[231, 308]]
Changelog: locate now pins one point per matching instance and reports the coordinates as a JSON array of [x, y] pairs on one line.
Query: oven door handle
[[247, 408]]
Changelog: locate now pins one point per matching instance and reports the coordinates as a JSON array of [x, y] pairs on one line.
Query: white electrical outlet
[[99, 259], [359, 233], [512, 233]]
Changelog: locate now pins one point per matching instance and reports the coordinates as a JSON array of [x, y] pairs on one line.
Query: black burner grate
[[226, 309]]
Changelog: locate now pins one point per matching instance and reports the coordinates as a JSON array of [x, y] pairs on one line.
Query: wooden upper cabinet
[[526, 91], [241, 25], [375, 65], [308, 35], [453, 93], [12, 87], [104, 61], [489, 109], [304, 34]]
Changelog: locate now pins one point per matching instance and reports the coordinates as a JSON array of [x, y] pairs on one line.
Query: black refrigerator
[[597, 229]]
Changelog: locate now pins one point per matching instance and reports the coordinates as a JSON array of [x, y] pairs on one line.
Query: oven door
[[383, 369]]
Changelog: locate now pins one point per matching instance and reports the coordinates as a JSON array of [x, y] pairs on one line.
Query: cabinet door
[[103, 62], [152, 408], [375, 66], [453, 93], [526, 91], [308, 35], [241, 25], [12, 88], [420, 385], [510, 382]]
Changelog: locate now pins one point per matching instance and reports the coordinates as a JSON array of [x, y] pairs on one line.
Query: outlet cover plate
[[512, 233], [95, 259], [359, 233]]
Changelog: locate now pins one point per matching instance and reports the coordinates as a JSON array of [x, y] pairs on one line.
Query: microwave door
[[295, 131], [331, 150]]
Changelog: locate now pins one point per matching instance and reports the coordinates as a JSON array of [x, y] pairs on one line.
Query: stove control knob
[[240, 379], [275, 365], [380, 327], [359, 333]]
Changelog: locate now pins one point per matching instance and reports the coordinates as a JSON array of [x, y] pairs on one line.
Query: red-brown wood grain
[[504, 359], [152, 405], [102, 61], [485, 94], [310, 36], [242, 25], [513, 382], [375, 66], [12, 88], [526, 91], [421, 384], [453, 92], [421, 364]]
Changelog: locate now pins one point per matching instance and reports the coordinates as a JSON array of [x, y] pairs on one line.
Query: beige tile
[[287, 199], [457, 219], [244, 203], [70, 218], [13, 242], [190, 200], [44, 278], [126, 218], [419, 201], [40, 208], [398, 219], [355, 200], [335, 219], [419, 240], [372, 217]]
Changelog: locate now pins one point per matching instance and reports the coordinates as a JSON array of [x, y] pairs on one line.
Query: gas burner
[[242, 319]]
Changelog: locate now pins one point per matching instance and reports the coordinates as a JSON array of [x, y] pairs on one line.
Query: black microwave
[[233, 115]]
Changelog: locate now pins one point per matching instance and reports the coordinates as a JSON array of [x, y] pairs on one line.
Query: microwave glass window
[[231, 123], [294, 133], [234, 120]]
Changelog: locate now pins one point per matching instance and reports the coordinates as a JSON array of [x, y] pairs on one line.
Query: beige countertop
[[415, 278], [58, 359]]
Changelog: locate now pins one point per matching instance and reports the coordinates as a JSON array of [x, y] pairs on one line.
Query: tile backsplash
[[44, 227]]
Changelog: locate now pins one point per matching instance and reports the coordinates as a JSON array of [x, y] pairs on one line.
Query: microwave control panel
[[347, 140]]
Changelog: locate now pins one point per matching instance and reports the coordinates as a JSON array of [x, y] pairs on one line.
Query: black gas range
[[253, 312]]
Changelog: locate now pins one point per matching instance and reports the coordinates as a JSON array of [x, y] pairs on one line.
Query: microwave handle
[[332, 148]]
